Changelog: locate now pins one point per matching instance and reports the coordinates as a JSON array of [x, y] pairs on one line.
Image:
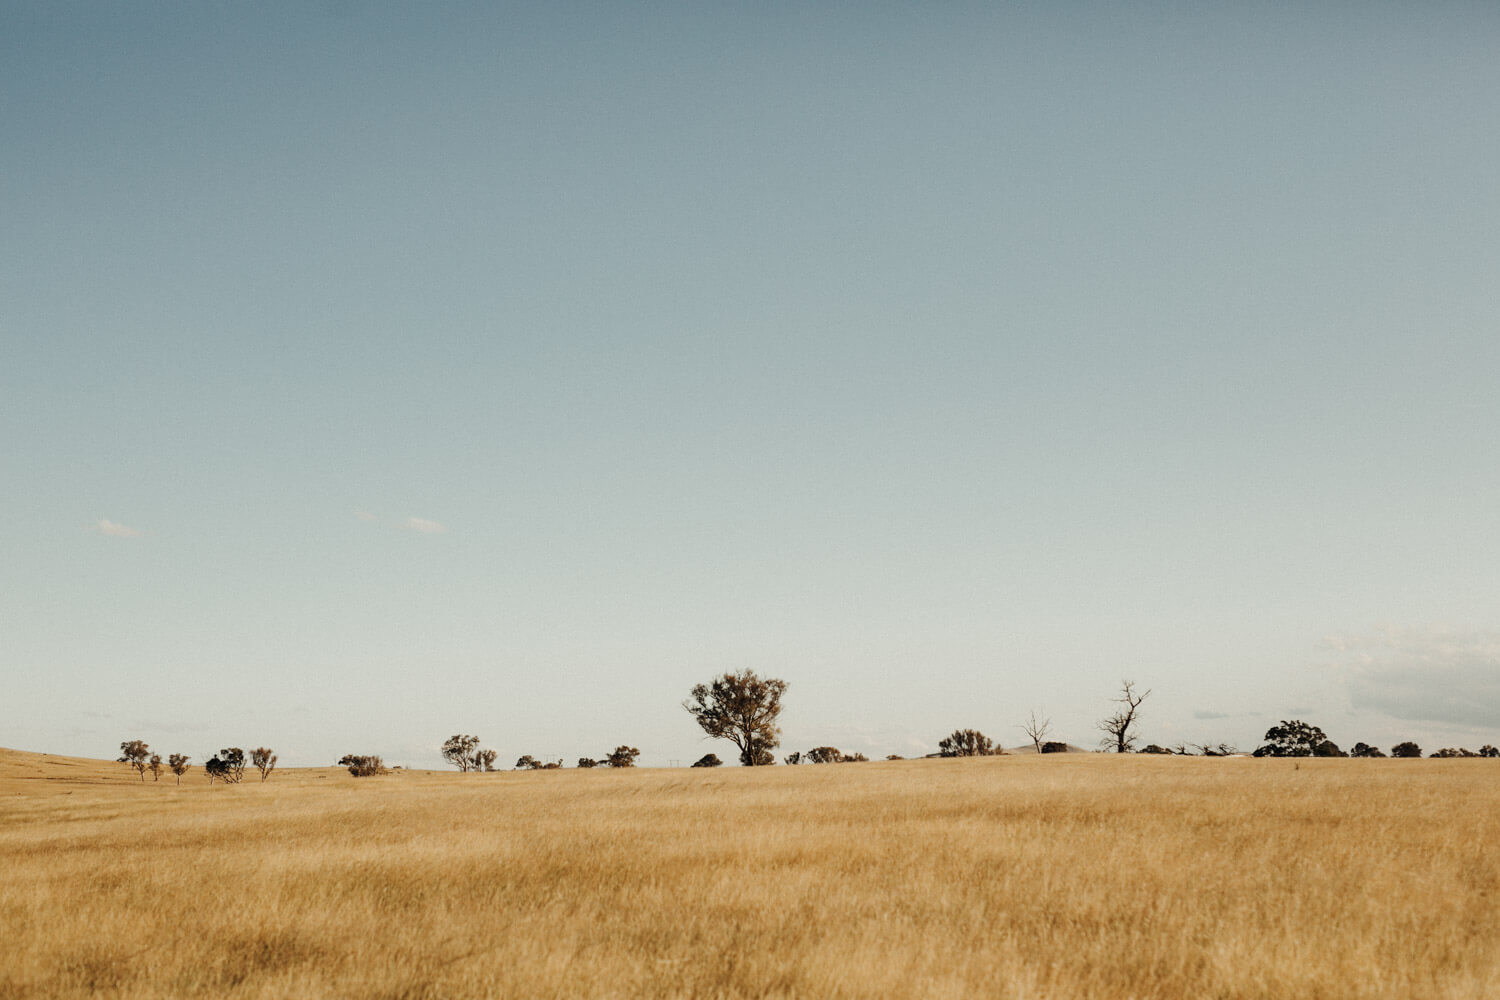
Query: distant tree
[[743, 709], [708, 760], [528, 763], [459, 750], [587, 762], [894, 756], [1328, 748], [234, 764], [1454, 752], [264, 760], [853, 758], [154, 767], [1036, 730], [1118, 727], [794, 758], [1365, 750], [1489, 751], [484, 760], [1153, 748], [216, 769], [363, 766], [179, 764], [824, 755], [1407, 749], [623, 757], [1293, 738], [135, 753], [1054, 746], [965, 743]]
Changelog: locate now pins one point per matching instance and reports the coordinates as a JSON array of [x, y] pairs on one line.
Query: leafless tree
[[741, 708], [1036, 730], [178, 763], [1117, 727], [264, 760], [135, 753]]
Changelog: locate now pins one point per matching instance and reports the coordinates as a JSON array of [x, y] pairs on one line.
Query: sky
[[371, 373]]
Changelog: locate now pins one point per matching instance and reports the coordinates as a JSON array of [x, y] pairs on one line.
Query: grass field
[[1068, 876]]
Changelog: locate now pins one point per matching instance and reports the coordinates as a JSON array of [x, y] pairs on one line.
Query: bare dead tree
[[1117, 727], [264, 760], [1036, 730]]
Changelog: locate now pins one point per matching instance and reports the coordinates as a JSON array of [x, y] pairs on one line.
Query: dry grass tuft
[[1013, 877]]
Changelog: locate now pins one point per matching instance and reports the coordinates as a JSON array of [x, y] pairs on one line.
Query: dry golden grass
[[1053, 877]]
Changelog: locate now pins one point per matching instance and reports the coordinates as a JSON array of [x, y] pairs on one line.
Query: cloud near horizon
[[1424, 674], [424, 526], [104, 526], [365, 515]]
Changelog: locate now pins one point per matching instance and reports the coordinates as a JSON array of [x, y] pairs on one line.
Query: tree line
[[743, 708]]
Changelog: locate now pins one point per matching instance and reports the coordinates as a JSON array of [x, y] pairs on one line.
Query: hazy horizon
[[370, 374]]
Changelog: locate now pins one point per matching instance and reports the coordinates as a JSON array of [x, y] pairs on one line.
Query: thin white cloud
[[426, 527], [365, 515], [1423, 674], [107, 527]]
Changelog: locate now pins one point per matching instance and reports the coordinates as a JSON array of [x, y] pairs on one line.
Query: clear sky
[[375, 372]]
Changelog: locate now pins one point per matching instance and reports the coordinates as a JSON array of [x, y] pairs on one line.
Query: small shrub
[[587, 762], [1054, 746], [363, 766], [708, 760]]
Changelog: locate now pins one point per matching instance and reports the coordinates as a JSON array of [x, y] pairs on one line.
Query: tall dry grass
[[1026, 877]]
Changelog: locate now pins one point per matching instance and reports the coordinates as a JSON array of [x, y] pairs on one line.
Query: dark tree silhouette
[[363, 765], [708, 760], [528, 763], [135, 753], [1054, 746], [824, 755], [794, 758], [179, 765], [233, 759], [1117, 727], [216, 769], [741, 708], [623, 757], [1292, 738], [264, 760], [965, 743], [1365, 750], [587, 762], [463, 753], [1489, 751], [1407, 749]]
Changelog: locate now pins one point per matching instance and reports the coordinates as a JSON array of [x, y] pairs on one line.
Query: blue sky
[[370, 373]]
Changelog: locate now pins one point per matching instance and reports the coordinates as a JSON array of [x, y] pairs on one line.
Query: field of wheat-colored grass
[[1068, 876]]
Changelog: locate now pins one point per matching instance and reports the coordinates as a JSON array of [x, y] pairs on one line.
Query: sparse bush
[[135, 753], [363, 766], [708, 760], [1406, 749], [965, 743], [264, 759], [623, 757], [587, 762], [179, 764], [853, 758]]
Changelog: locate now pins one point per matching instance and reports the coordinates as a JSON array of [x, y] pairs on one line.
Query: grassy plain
[[1059, 877]]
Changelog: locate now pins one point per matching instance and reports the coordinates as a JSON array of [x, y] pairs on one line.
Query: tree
[[179, 765], [1036, 730], [484, 760], [1117, 727], [233, 759], [216, 769], [463, 753], [1293, 738], [363, 765], [264, 760], [1455, 752], [528, 763], [1365, 750], [1407, 749], [853, 758], [794, 758], [708, 760], [623, 757], [824, 755], [1054, 746], [1328, 748], [1489, 750], [965, 743], [587, 762], [741, 708], [134, 753], [154, 767]]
